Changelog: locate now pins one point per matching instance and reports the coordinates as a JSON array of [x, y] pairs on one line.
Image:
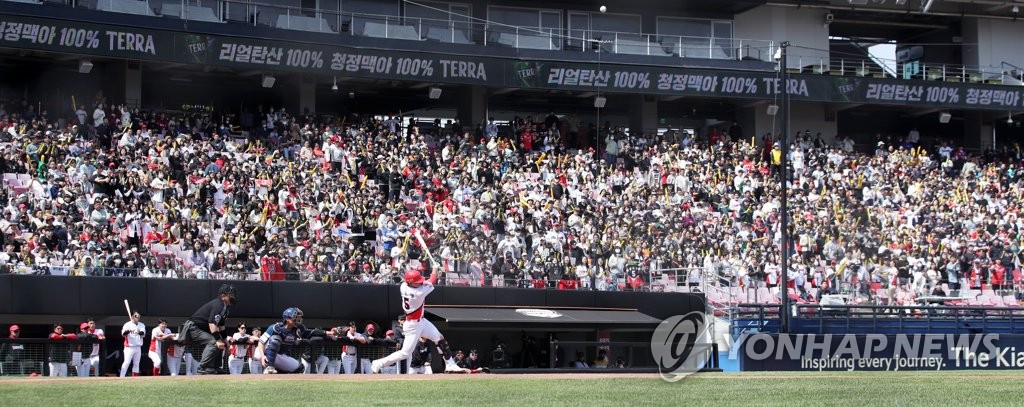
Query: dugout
[[470, 317], [528, 333]]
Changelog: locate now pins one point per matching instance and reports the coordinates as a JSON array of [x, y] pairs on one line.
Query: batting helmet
[[229, 290], [293, 314], [413, 277]]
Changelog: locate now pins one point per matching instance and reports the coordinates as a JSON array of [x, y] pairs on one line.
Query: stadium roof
[[517, 318]]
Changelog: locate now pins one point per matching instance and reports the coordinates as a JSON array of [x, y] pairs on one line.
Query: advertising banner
[[826, 352], [662, 80], [85, 38]]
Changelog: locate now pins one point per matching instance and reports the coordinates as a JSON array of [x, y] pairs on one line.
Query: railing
[[676, 45], [878, 62], [754, 318], [838, 319], [450, 31], [1012, 73], [909, 319], [448, 279], [716, 284], [557, 38], [36, 352], [862, 67]]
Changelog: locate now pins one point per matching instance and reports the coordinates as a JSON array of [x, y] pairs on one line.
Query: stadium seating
[[393, 31], [694, 48], [451, 35], [637, 45], [196, 13], [303, 23], [141, 8], [729, 296], [527, 41]]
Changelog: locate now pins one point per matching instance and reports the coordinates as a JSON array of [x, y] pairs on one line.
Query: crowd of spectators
[[128, 192]]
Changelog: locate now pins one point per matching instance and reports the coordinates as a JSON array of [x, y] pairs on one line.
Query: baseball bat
[[127, 308], [425, 248]]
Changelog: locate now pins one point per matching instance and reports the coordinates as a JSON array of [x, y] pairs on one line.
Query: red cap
[[85, 325], [366, 266], [389, 333], [15, 328], [370, 326]]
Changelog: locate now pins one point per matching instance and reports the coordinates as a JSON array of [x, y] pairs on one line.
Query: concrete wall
[[996, 41], [805, 116], [801, 27]]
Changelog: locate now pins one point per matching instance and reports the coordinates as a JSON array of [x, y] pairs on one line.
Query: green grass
[[860, 389]]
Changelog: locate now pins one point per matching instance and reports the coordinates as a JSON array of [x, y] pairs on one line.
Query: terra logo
[[679, 345]]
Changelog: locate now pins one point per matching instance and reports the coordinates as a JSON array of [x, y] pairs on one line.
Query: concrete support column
[[751, 121], [643, 114], [471, 108], [307, 96], [976, 133], [113, 78], [133, 84], [299, 93]]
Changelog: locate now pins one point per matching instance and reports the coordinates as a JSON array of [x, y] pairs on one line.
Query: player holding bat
[[133, 331], [414, 294]]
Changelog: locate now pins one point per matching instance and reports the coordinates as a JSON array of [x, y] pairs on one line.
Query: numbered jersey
[[413, 299]]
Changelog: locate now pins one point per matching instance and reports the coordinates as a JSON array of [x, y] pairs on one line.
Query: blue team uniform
[[283, 347]]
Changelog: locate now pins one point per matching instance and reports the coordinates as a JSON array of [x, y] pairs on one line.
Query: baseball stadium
[[784, 202]]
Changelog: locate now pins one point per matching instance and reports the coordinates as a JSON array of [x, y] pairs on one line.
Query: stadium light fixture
[[944, 117], [334, 86], [84, 66], [268, 81], [773, 110]]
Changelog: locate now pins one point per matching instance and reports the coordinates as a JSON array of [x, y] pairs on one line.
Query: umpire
[[206, 327]]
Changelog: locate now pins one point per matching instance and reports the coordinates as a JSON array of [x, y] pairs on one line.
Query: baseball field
[[782, 389]]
